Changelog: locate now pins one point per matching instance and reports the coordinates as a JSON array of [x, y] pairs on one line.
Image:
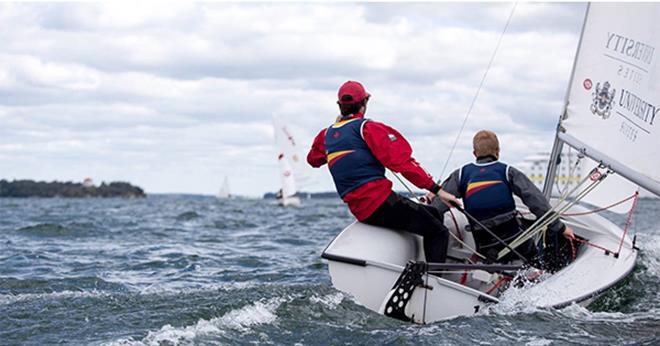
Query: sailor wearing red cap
[[357, 151]]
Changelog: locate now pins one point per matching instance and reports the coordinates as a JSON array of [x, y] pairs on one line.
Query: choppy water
[[196, 270]]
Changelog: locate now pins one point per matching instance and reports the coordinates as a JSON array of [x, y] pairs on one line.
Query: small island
[[31, 188]]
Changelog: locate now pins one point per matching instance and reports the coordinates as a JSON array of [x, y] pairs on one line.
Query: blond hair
[[485, 143]]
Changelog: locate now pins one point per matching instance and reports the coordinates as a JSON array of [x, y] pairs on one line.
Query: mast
[[558, 144]]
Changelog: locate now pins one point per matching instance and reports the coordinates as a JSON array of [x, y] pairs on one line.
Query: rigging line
[[561, 200], [630, 214], [429, 213], [476, 95], [541, 223], [552, 218], [600, 209]]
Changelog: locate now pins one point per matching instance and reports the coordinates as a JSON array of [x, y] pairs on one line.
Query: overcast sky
[[175, 97]]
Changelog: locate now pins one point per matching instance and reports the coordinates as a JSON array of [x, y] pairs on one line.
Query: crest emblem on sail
[[603, 99]]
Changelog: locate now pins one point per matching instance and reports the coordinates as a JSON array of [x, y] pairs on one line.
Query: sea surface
[[184, 270]]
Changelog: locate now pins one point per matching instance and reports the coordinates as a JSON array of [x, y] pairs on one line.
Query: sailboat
[[292, 168], [610, 115], [224, 192], [287, 195]]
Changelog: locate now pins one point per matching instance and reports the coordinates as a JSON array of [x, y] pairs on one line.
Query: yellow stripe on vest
[[334, 155], [475, 187], [343, 122]]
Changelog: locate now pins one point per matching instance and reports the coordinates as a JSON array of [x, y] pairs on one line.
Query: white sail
[[287, 176], [291, 148], [613, 103], [224, 189]]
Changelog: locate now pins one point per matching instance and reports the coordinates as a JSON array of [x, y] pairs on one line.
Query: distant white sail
[[613, 104], [224, 189], [288, 145], [287, 177]]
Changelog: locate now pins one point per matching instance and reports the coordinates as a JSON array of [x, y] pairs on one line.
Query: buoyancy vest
[[486, 190], [350, 160]]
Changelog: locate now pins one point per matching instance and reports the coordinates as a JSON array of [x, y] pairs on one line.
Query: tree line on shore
[[30, 188]]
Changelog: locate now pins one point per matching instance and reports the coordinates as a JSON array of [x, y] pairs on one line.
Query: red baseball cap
[[351, 92]]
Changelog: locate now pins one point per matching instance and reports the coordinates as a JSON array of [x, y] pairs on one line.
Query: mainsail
[[613, 104]]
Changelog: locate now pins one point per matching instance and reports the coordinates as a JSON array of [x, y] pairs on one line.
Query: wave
[[86, 288], [47, 230], [258, 313], [6, 299], [578, 312], [329, 300], [187, 216]]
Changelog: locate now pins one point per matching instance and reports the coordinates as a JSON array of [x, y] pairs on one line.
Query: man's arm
[[450, 185], [532, 197], [395, 153], [317, 156]]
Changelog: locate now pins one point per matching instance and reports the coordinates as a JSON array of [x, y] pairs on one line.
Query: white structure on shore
[[570, 171], [88, 182]]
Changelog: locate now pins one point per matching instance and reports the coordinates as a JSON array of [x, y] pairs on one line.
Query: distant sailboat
[[224, 192], [287, 195], [292, 168]]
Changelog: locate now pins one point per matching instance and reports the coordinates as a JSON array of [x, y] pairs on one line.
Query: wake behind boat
[[607, 116]]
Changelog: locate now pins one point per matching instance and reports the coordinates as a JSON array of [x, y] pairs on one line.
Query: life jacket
[[350, 161], [485, 189]]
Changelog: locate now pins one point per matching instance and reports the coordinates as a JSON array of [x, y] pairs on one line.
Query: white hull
[[366, 261], [289, 201]]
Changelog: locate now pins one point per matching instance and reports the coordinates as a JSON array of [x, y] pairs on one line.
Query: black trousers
[[402, 214], [488, 245]]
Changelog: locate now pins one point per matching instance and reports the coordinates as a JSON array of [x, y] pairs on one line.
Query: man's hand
[[428, 198], [568, 233], [449, 199]]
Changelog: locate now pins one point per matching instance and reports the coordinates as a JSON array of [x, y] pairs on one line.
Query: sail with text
[[613, 103]]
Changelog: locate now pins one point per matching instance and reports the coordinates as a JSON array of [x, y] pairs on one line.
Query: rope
[[573, 254], [532, 228], [623, 236], [429, 213], [625, 230], [499, 283], [603, 208], [586, 242], [458, 230], [476, 95], [541, 223]]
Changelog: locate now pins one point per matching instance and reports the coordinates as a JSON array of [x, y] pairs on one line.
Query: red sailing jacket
[[392, 150]]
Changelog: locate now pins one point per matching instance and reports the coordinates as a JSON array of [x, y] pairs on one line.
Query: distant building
[[569, 171], [88, 182]]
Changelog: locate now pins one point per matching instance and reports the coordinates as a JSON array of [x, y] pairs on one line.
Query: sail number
[[630, 74], [628, 131]]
